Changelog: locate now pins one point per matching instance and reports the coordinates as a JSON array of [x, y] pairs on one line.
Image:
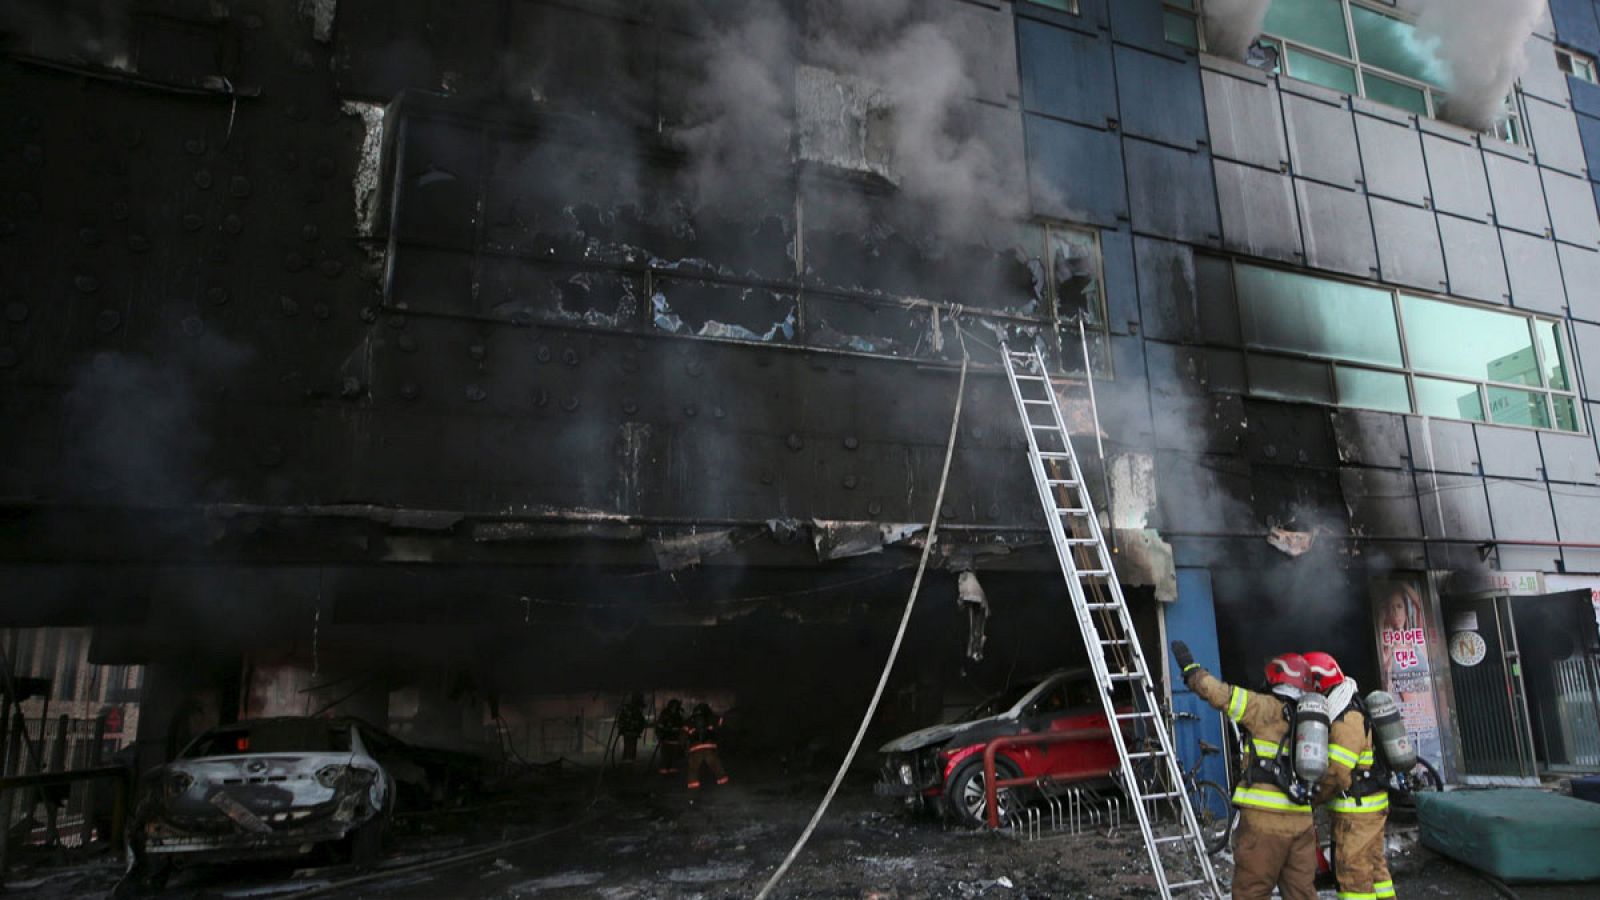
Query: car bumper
[[172, 844]]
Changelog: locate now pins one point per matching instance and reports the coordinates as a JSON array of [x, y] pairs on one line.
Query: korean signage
[[1405, 636], [1514, 584]]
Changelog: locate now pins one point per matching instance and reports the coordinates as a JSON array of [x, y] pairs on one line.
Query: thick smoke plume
[[1233, 25], [1481, 43]]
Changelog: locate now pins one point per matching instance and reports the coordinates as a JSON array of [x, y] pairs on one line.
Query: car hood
[[940, 734]]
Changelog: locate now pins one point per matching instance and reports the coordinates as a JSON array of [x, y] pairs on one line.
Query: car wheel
[[965, 797]]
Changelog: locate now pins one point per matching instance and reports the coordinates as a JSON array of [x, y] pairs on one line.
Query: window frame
[[1533, 322], [1186, 9], [1046, 228], [1575, 61]]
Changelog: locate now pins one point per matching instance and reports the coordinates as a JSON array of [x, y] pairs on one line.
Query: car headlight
[[175, 783], [908, 775], [356, 776]]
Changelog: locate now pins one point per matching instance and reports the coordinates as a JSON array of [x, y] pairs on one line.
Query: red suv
[[947, 760]]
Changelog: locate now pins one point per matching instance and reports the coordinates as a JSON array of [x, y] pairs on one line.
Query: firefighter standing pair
[[674, 734], [1311, 740]]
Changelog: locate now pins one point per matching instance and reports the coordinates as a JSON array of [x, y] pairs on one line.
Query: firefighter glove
[[1180, 652]]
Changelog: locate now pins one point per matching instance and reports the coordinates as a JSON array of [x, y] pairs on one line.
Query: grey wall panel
[[1555, 136], [1509, 452], [1190, 422], [1543, 78], [1588, 340], [1577, 512], [1514, 557], [1140, 24], [1171, 193], [1337, 229], [1259, 217], [1000, 130], [1580, 269], [1408, 245], [1160, 98], [1570, 457], [1391, 156], [1571, 203], [1367, 438], [1382, 502], [1075, 172], [1167, 290], [1065, 73], [1518, 196], [1459, 183], [1122, 291], [1535, 273], [1454, 507], [1444, 446], [1322, 141], [988, 48], [1472, 258], [1199, 493], [1245, 119]]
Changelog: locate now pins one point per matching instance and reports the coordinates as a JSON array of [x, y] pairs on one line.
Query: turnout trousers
[[1274, 849], [1359, 861]]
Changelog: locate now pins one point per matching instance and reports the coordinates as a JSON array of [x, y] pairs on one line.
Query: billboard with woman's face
[[1404, 637]]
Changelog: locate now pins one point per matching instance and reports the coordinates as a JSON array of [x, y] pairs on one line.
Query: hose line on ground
[[899, 637]]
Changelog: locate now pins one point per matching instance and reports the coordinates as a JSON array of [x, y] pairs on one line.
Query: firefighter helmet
[[1325, 671], [1289, 670]]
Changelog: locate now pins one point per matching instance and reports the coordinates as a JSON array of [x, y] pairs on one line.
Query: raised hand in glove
[[1180, 652]]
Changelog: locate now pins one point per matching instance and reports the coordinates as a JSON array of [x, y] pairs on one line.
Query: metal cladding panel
[[1575, 24], [1588, 339], [1289, 434], [1245, 119], [1066, 74], [1196, 422], [1543, 78], [1322, 141], [1459, 184], [1122, 290], [1368, 438], [1509, 452], [1408, 245], [1555, 136], [1202, 493], [1521, 558], [1167, 290], [1518, 196], [1585, 96], [1589, 134], [1171, 192], [1570, 457], [1521, 510], [1571, 203], [1259, 216], [1075, 172], [1454, 507], [1382, 502], [1337, 228], [1142, 25], [1175, 368], [1446, 445], [1160, 98], [1472, 256], [988, 46], [1535, 273], [1577, 512], [1580, 269], [1392, 159]]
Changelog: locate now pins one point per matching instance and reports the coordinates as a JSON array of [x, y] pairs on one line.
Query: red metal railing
[[991, 785]]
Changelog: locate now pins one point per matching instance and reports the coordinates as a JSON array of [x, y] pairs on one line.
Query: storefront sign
[[1468, 648], [1404, 637], [1464, 621], [1515, 584]]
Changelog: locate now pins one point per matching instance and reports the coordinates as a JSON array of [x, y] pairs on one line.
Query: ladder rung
[[1068, 482], [1122, 641], [1037, 402], [1094, 573], [1080, 542], [1071, 511], [1166, 796], [1146, 754], [1028, 377], [1126, 676], [1054, 454], [1136, 715], [1171, 840], [1186, 884], [1102, 605]]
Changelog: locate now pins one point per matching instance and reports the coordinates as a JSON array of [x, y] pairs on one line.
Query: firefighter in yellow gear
[[1276, 842], [1357, 801]]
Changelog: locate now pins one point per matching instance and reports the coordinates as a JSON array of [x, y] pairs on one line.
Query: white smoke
[[1233, 25], [1481, 43]]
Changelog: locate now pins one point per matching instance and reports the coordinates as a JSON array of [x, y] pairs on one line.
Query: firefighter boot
[[1274, 849]]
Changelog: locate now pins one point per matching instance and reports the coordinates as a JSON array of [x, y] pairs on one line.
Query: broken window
[[1576, 64], [1074, 275]]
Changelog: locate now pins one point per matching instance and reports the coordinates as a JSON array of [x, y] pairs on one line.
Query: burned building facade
[[449, 365]]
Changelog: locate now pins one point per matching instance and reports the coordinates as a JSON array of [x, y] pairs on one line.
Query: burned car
[[267, 789], [945, 762]]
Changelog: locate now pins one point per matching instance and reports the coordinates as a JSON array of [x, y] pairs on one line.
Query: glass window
[[1448, 399], [1513, 407], [1575, 64], [1473, 343], [1286, 311], [1316, 23], [1554, 348], [1368, 389], [1566, 412], [1320, 70], [1404, 96], [1388, 43], [1070, 6], [1075, 276], [1180, 28], [1289, 379]]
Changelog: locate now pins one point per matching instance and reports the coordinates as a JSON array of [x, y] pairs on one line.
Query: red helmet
[[1325, 671], [1289, 669]]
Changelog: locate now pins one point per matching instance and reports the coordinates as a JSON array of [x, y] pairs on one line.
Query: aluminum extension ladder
[[1113, 647]]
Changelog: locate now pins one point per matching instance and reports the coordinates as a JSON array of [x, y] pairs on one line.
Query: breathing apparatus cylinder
[[1389, 732], [1311, 737]]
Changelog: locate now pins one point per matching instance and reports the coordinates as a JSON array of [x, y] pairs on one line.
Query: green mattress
[[1514, 835]]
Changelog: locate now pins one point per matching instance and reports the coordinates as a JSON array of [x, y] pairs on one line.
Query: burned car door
[[1072, 705]]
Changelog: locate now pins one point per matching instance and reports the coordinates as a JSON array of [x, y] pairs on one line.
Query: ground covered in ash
[[631, 836]]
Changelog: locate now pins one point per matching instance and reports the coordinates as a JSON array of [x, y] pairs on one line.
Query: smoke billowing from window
[[1481, 42], [1233, 25]]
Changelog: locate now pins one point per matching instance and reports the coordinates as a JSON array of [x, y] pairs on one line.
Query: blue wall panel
[[1065, 74], [1172, 193], [1576, 25], [1160, 98], [1075, 173], [1193, 620], [1585, 96]]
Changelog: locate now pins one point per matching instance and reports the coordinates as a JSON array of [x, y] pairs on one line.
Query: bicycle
[[1214, 811]]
